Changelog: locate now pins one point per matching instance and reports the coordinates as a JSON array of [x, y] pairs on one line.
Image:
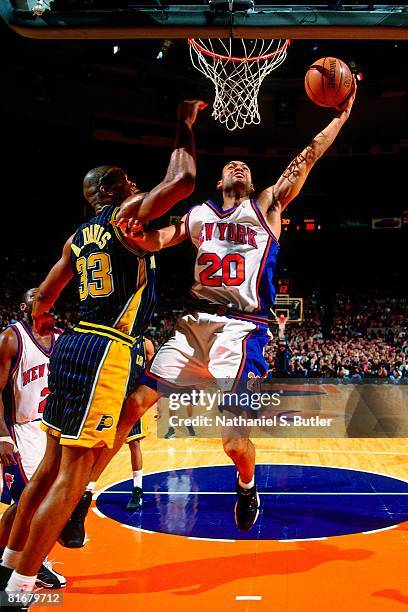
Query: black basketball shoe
[[191, 431], [247, 507], [171, 433], [73, 534], [136, 500], [48, 578]]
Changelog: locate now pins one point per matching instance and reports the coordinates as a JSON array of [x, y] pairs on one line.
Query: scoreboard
[[305, 224]]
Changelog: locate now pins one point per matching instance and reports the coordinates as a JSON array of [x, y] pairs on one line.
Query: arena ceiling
[[97, 19]]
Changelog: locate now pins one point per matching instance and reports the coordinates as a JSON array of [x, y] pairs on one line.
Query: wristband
[[10, 440]]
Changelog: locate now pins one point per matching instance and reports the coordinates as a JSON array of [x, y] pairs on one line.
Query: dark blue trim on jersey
[[220, 212], [265, 289], [249, 318], [16, 359], [262, 220]]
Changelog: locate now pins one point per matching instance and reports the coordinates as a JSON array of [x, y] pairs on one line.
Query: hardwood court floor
[[122, 568]]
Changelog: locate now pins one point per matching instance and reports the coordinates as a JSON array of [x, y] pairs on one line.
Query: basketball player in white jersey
[[224, 338], [24, 359]]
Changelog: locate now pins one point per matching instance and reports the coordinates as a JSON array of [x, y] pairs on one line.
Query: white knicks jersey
[[236, 256], [27, 388]]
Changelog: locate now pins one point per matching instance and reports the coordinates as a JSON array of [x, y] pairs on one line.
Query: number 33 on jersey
[[109, 294]]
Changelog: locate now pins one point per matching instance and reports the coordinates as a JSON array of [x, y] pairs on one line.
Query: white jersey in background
[[24, 400], [27, 389]]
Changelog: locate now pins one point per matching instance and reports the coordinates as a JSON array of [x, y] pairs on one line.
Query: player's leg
[[190, 428], [136, 499], [31, 497], [34, 493], [241, 451], [31, 441], [51, 516], [6, 524], [237, 355], [134, 408], [73, 534]]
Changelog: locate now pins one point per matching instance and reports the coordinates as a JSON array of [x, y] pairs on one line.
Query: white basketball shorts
[[206, 347]]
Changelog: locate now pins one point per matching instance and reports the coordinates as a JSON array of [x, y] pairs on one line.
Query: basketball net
[[237, 68]]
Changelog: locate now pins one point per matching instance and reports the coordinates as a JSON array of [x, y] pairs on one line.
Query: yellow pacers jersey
[[115, 282]]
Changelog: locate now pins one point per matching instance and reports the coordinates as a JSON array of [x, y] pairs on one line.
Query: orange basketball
[[328, 82]]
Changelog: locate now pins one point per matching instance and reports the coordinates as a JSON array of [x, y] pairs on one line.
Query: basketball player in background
[[282, 350], [136, 435], [224, 336], [90, 368], [24, 363]]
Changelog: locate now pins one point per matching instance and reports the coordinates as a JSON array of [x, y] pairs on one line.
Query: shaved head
[[107, 185]]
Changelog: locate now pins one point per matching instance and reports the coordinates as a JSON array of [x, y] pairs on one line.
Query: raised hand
[[44, 325], [347, 105], [188, 109]]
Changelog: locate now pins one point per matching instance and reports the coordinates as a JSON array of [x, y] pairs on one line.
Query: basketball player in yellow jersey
[[224, 336], [91, 366]]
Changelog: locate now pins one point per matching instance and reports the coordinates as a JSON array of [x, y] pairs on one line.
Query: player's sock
[[138, 478], [246, 485], [19, 583], [91, 486], [10, 557]]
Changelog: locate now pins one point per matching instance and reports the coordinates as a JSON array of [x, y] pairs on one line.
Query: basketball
[[328, 81]]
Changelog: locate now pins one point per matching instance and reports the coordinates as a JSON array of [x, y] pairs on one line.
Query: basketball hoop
[[237, 68]]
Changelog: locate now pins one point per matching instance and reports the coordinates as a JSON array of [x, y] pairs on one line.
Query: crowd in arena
[[367, 337]]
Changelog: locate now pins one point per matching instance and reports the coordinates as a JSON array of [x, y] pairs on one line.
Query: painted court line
[[378, 530], [302, 540], [136, 528], [248, 597], [98, 513], [210, 539]]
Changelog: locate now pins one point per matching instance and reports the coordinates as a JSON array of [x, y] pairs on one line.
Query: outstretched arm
[[274, 199], [180, 177], [153, 240], [50, 289]]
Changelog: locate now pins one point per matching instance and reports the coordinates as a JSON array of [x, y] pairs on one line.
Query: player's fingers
[[201, 105], [137, 229], [7, 459], [127, 228], [119, 222]]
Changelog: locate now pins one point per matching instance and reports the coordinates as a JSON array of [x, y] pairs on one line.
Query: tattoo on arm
[[292, 171], [321, 137]]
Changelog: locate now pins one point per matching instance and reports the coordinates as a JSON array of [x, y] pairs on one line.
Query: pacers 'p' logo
[[106, 422]]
